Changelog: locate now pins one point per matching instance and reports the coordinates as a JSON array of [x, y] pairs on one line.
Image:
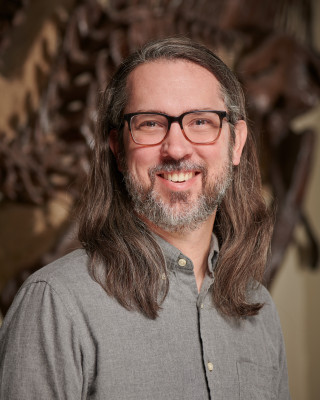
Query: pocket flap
[[257, 382]]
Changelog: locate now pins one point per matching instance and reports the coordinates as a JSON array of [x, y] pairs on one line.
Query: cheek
[[215, 158], [139, 160]]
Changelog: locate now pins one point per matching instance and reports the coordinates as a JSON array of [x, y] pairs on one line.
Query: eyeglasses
[[198, 127]]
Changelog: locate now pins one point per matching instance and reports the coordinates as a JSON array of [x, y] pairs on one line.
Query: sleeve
[[272, 325], [40, 353], [283, 389]]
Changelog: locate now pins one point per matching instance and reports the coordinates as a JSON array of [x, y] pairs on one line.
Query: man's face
[[176, 185]]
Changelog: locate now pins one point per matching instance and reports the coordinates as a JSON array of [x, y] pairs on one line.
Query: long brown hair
[[115, 238]]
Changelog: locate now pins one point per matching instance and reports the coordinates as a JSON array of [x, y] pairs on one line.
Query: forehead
[[169, 85]]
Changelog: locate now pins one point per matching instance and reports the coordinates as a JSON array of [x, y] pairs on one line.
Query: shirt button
[[210, 366], [201, 305], [182, 262], [163, 276]]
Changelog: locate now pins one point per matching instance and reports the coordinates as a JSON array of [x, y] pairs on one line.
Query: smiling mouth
[[179, 176]]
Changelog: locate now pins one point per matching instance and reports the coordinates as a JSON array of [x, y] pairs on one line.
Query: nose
[[176, 145]]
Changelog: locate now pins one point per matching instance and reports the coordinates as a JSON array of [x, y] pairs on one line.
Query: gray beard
[[190, 215]]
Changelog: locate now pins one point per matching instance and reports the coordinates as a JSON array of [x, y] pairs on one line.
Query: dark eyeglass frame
[[171, 119]]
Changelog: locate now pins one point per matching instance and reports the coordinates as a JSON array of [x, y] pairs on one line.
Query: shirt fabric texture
[[65, 338]]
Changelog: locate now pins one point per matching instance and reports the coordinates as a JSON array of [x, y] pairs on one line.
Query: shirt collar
[[172, 254]]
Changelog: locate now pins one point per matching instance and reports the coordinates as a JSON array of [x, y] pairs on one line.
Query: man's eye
[[149, 123], [201, 122]]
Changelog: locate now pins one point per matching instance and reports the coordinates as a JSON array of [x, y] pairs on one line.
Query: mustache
[[177, 165]]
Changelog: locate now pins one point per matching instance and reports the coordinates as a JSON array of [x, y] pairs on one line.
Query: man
[[164, 303]]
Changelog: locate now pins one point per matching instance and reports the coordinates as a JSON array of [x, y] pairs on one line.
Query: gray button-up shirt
[[65, 338]]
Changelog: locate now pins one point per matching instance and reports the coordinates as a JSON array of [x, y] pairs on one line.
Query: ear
[[114, 146], [241, 131]]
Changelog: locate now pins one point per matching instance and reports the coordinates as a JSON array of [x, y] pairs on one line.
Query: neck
[[194, 244]]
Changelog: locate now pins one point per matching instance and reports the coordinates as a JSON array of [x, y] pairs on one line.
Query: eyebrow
[[185, 111]]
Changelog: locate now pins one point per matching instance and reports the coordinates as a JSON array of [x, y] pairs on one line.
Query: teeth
[[178, 177]]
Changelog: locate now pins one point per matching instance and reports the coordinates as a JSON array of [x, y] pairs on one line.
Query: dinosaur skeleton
[[280, 74]]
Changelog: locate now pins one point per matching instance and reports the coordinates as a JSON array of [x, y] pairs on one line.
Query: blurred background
[[55, 59]]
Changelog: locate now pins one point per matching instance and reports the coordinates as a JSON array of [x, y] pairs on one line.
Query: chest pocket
[[257, 382]]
